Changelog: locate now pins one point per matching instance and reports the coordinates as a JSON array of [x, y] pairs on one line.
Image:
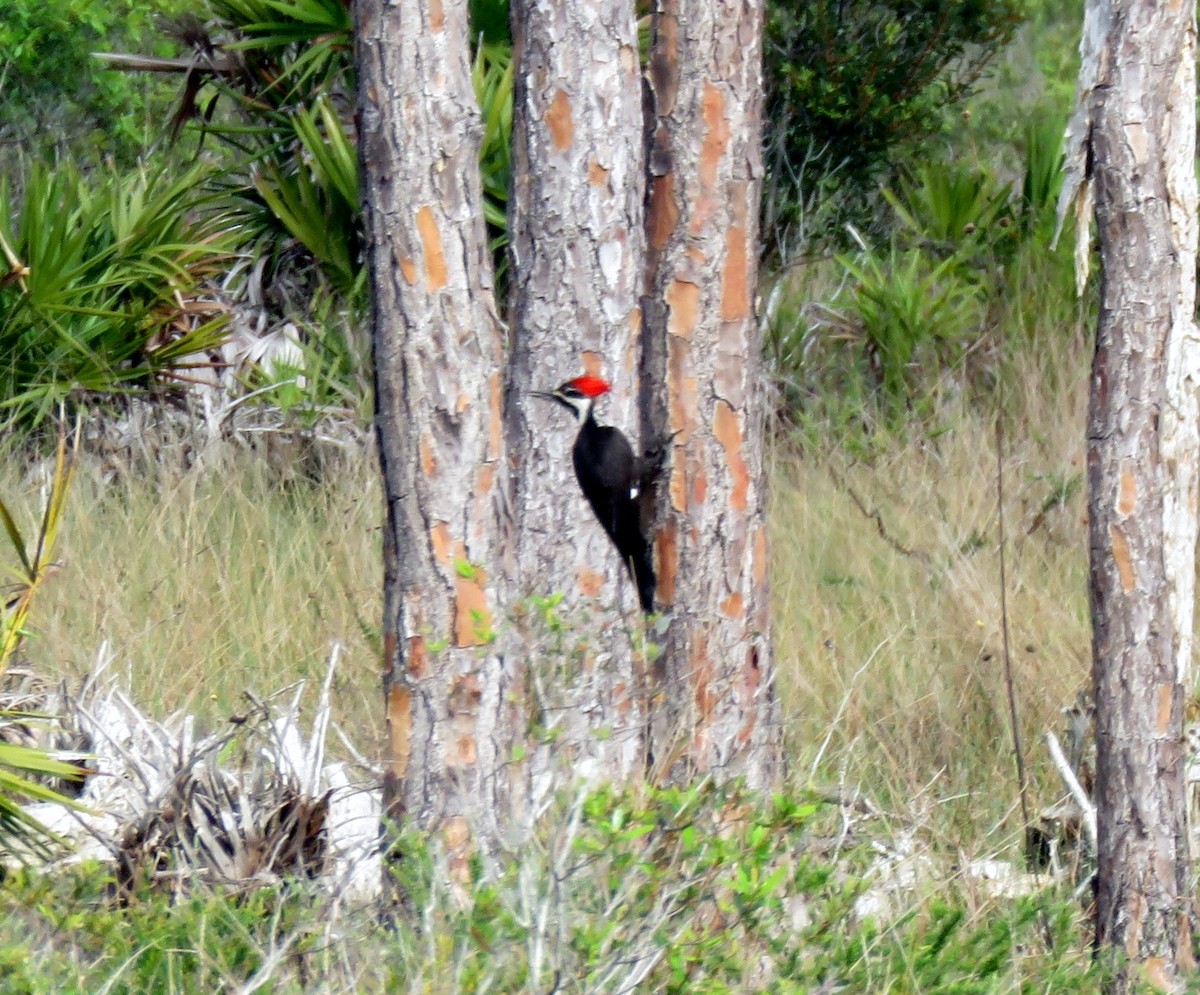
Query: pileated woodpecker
[[610, 477]]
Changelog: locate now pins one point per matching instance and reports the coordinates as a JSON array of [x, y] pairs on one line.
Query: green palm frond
[[110, 264], [20, 766]]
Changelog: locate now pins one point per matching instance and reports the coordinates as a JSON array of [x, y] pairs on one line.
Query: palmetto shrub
[[102, 286]]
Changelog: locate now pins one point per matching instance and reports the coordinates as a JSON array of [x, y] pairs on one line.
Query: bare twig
[[1018, 745], [1086, 808], [873, 515], [837, 718]]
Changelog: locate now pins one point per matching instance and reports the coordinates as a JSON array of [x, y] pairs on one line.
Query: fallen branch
[[873, 515], [1086, 808]]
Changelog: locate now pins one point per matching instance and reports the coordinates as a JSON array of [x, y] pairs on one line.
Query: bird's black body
[[610, 477], [607, 472]]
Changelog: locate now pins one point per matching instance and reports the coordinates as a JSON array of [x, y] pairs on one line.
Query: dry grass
[[208, 584], [896, 658]]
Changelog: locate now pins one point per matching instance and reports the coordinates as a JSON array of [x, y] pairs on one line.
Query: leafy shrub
[[956, 211], [674, 890], [850, 83], [57, 99]]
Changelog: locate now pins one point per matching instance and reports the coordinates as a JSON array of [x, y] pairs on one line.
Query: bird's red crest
[[590, 386]]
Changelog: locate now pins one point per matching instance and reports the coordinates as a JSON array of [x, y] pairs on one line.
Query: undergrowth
[[663, 890]]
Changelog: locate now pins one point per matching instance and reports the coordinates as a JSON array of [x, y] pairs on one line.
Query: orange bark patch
[[679, 487], [495, 416], [1166, 698], [732, 606], [439, 536], [472, 620], [425, 451], [431, 242], [485, 480], [668, 562], [399, 729], [716, 133], [712, 150], [590, 581], [1127, 499], [699, 486], [463, 402], [683, 298], [633, 348], [621, 700], [681, 391], [462, 752], [663, 213], [437, 17], [728, 432], [456, 832], [1154, 970], [735, 293], [418, 658], [558, 120], [593, 364], [597, 174], [702, 672], [760, 556], [1122, 557], [408, 270]]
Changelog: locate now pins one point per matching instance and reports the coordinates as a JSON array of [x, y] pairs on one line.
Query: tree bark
[[1142, 472], [576, 242], [719, 713], [438, 368]]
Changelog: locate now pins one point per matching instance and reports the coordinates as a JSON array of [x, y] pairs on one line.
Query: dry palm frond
[[250, 804]]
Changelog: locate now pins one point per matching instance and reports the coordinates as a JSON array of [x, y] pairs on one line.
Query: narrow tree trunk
[[720, 712], [1142, 452], [438, 367], [577, 246]]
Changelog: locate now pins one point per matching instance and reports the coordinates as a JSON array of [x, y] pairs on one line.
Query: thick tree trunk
[[577, 240], [438, 367], [1142, 452], [719, 713]]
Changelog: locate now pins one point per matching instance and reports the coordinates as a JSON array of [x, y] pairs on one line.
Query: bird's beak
[[547, 395]]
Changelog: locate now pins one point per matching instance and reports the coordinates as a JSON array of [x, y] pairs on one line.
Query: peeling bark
[[576, 240], [438, 365], [719, 712], [1136, 127]]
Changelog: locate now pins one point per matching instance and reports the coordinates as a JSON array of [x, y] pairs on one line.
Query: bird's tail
[[641, 568]]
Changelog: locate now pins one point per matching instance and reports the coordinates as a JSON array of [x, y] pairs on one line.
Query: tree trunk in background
[[1137, 121], [576, 240], [721, 713], [438, 367]]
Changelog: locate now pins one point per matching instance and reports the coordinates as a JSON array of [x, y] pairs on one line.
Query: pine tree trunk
[[1142, 452], [438, 366], [576, 242], [719, 711]]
